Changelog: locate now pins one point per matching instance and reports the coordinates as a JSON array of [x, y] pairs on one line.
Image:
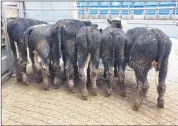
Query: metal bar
[[5, 76], [7, 44], [130, 22], [24, 7], [157, 8], [175, 12], [20, 9], [10, 7]]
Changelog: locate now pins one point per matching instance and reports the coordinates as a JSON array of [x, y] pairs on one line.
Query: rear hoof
[[39, 79], [24, 79], [26, 83], [19, 79], [115, 75], [108, 92], [56, 86], [136, 105], [57, 81], [160, 103], [46, 87], [123, 93], [84, 94], [94, 92], [72, 89]]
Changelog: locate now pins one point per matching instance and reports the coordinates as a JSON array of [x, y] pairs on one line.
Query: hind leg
[[23, 51], [142, 82], [108, 78], [56, 70], [36, 66], [48, 76], [83, 61], [93, 78], [162, 86], [76, 72], [94, 64], [115, 68], [64, 65], [70, 75], [69, 72], [121, 71], [70, 53], [17, 68]]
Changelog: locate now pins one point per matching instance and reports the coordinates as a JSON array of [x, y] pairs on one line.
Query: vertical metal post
[[20, 9], [128, 10], [109, 10], [175, 11], [10, 58], [85, 12], [52, 9], [24, 9], [145, 10]]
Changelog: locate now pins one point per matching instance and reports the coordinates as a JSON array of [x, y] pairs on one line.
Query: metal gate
[[9, 11]]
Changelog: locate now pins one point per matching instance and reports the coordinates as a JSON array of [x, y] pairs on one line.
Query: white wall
[[50, 14]]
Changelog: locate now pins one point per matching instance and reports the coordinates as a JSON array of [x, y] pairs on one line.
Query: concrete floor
[[31, 105]]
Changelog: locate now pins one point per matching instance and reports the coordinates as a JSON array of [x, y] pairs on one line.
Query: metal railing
[[87, 10], [153, 8]]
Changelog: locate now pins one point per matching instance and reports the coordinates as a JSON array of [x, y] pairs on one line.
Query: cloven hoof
[[160, 103]]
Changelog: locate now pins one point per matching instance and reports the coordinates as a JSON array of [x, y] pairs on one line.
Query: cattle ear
[[109, 21], [101, 30], [87, 23], [95, 25]]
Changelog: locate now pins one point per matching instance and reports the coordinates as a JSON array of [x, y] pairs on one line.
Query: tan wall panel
[[11, 3], [11, 12]]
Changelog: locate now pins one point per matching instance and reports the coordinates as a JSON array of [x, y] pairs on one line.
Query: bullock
[[64, 33], [113, 54], [88, 41], [39, 41], [147, 48], [16, 29]]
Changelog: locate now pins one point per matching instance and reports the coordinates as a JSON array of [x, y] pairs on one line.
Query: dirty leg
[[83, 79], [23, 64], [57, 75], [36, 66], [104, 75], [115, 68], [24, 74], [161, 90], [69, 77], [109, 83], [142, 88], [17, 68], [93, 79], [121, 77], [162, 86], [48, 77], [141, 93], [83, 65]]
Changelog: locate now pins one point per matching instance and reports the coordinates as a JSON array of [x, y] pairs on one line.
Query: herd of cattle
[[80, 44]]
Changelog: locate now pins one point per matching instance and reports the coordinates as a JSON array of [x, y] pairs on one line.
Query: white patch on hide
[[86, 64], [71, 83], [39, 59]]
